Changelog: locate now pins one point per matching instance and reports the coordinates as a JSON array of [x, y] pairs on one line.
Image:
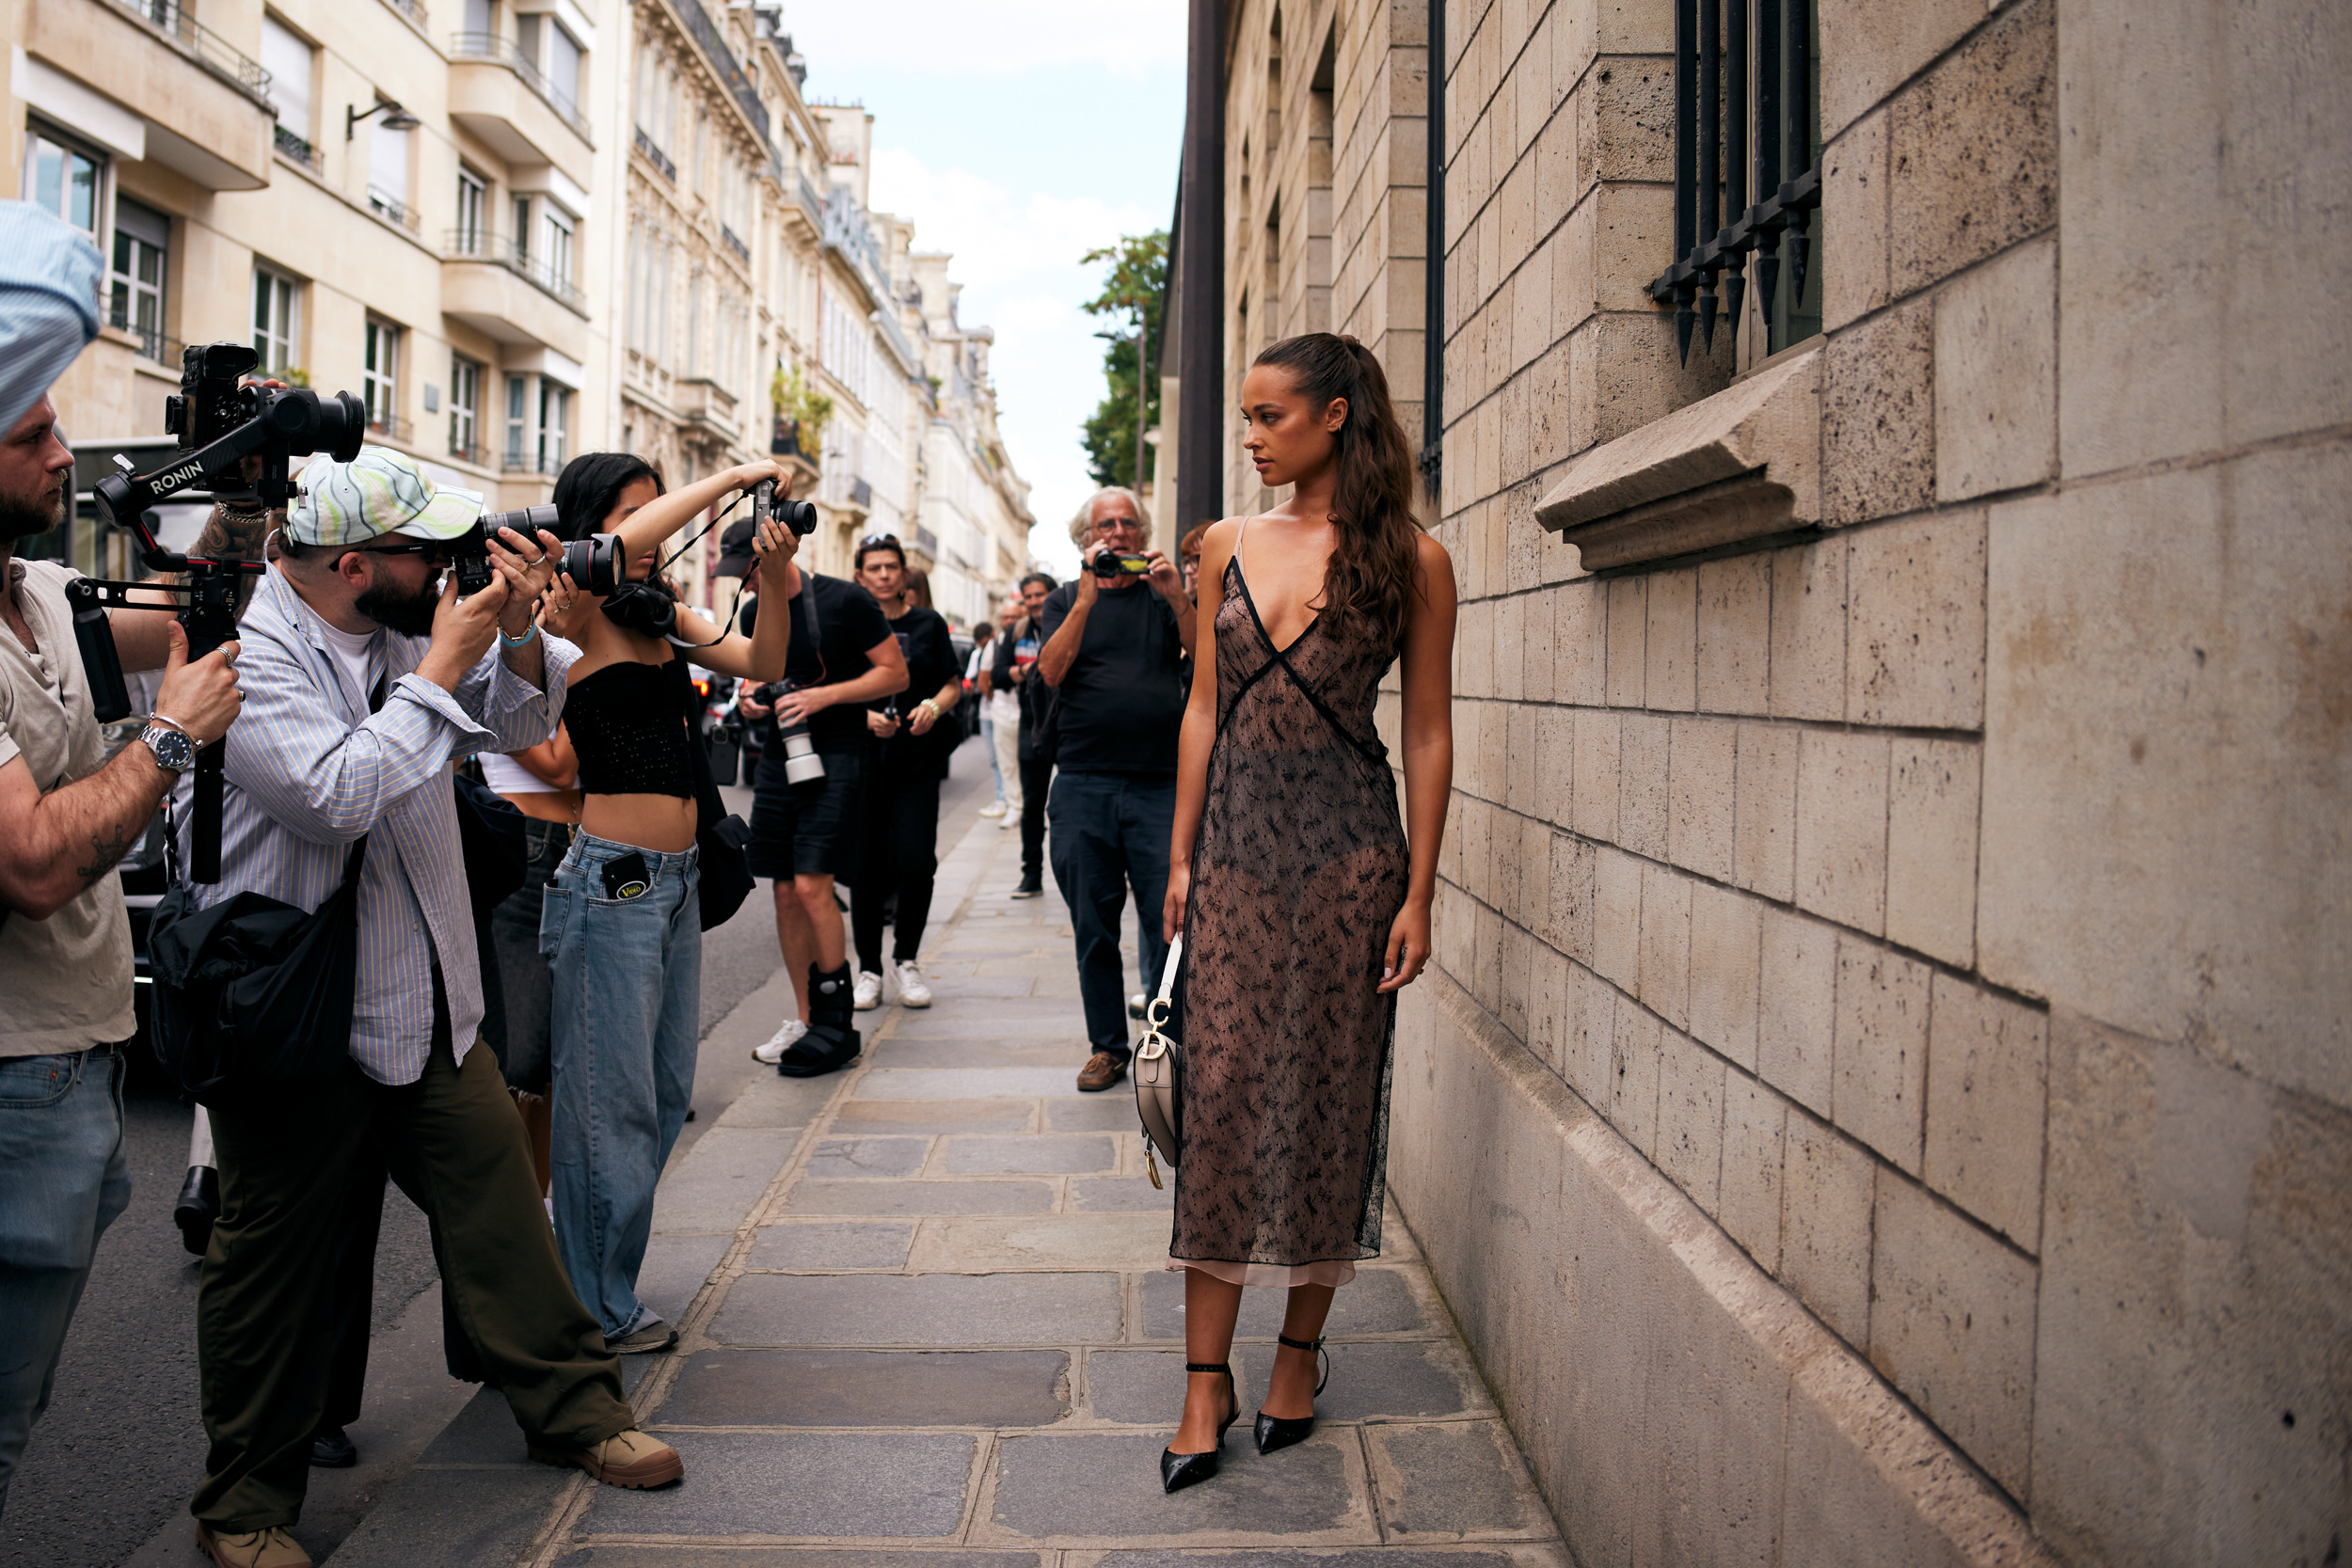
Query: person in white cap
[[68, 813], [366, 677]]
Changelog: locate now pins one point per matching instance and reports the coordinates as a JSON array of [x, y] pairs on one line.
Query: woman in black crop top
[[622, 923]]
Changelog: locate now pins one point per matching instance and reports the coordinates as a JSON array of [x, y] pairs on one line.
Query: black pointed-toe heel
[[1280, 1431], [1180, 1470]]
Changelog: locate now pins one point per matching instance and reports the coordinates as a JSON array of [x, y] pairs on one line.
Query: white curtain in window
[[480, 19], [287, 59], [564, 65], [388, 163]]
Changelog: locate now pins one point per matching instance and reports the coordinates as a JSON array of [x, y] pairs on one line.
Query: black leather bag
[[720, 836], [255, 991], [490, 837]]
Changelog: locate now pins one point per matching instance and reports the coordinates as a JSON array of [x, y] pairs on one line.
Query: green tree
[[1116, 453]]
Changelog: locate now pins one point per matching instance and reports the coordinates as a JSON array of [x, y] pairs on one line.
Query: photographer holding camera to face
[[808, 810], [1115, 643], [67, 815]]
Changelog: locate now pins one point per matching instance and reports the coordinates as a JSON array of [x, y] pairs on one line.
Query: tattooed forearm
[[234, 533], [105, 849]]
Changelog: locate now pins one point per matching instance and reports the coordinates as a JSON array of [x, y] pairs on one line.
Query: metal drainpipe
[[1201, 248], [1433, 280]]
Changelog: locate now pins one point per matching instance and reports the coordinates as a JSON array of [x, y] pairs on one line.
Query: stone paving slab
[[453, 1515], [822, 1485], [675, 1268], [1377, 1301], [669, 1555], [1104, 1487], [965, 1083], [1412, 1379], [837, 1157], [870, 1388], [820, 1245], [714, 1186], [1123, 1194], [926, 1052], [921, 1197], [1122, 1242], [1533, 1555], [935, 1115], [1040, 1154], [1462, 1481], [921, 1309], [1111, 1111], [1064, 1023]]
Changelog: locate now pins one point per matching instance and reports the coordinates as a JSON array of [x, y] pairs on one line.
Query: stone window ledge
[[1741, 465]]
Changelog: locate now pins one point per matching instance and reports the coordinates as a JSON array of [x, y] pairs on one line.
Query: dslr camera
[[801, 761], [470, 552]]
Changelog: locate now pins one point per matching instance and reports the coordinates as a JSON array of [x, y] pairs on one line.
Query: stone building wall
[[1884, 1096]]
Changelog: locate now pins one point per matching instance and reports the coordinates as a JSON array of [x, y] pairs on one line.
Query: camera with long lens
[[222, 426], [470, 552], [800, 517], [595, 565], [801, 762], [1121, 563]]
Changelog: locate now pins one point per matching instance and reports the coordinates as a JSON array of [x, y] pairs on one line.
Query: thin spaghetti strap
[[1237, 538]]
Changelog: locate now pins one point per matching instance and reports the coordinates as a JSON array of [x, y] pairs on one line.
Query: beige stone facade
[[1884, 1096], [520, 229]]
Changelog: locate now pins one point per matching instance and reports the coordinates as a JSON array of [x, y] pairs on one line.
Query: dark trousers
[[1110, 833], [524, 1001], [900, 858], [1036, 779], [350, 1313], [266, 1303]]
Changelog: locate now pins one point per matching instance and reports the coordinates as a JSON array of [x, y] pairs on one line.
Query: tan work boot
[[262, 1548], [629, 1459]]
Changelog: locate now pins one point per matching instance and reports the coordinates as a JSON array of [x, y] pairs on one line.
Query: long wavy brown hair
[[1375, 574]]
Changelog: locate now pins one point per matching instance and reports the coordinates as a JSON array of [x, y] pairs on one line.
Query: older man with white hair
[[1113, 655]]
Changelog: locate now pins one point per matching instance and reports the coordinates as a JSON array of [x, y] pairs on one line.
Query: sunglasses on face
[[415, 547]]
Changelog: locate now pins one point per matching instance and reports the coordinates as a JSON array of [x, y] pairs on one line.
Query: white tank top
[[509, 777]]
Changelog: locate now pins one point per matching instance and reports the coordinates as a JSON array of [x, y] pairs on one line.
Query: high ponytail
[[1373, 575]]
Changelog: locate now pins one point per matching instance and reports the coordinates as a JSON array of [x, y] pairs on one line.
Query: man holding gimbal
[[67, 815], [366, 676]]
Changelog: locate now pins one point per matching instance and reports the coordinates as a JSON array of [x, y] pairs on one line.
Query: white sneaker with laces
[[869, 993], [995, 808], [771, 1050], [912, 992], [1011, 820]]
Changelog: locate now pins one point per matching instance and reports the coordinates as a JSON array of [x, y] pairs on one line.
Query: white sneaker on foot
[[912, 992], [869, 993], [995, 808], [1011, 820], [771, 1050]]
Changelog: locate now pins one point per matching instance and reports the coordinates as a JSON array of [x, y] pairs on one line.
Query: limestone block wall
[[1886, 1097]]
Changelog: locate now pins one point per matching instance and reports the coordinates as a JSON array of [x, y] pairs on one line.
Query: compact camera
[[1121, 563]]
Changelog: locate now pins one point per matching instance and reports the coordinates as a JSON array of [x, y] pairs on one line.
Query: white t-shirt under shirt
[[355, 654], [509, 777]]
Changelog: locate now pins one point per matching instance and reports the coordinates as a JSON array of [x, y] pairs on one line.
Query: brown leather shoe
[[260, 1548], [1102, 1070], [629, 1459]]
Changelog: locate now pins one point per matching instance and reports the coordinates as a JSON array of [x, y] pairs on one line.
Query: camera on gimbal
[[222, 424]]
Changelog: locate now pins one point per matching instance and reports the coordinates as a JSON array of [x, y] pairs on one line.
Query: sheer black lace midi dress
[[1299, 870]]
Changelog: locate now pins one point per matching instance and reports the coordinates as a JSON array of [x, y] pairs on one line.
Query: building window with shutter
[[379, 379], [135, 283], [1747, 172], [277, 304], [465, 410]]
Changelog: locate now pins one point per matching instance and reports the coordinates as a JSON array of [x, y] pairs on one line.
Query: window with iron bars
[[1747, 171]]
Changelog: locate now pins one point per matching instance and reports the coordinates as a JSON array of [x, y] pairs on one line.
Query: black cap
[[735, 549]]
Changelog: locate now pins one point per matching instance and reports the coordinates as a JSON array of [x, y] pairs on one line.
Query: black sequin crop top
[[628, 730]]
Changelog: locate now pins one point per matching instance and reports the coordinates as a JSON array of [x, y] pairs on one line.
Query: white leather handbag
[[1159, 1073]]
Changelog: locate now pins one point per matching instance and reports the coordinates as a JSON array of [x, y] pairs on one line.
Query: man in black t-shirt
[[1113, 649], [806, 835]]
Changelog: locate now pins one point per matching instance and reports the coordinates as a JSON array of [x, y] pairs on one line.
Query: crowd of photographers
[[516, 1050]]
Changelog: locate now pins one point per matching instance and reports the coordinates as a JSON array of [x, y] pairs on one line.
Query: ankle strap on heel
[[1224, 1367], [1313, 1347]]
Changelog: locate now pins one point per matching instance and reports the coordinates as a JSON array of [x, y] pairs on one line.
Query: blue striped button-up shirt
[[309, 770]]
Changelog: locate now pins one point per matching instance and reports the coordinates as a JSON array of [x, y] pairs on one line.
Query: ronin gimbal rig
[[220, 423]]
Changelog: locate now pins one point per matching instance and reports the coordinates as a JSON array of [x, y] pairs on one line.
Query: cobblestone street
[[923, 1311]]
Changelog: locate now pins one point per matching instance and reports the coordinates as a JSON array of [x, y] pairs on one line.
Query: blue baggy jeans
[[1108, 832], [627, 978], [63, 1179]]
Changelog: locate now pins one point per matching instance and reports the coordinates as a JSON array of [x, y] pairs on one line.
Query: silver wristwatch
[[174, 750]]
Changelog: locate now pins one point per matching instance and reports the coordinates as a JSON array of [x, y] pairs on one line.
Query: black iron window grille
[[1747, 165]]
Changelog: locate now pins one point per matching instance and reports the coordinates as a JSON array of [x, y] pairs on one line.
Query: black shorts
[[809, 830]]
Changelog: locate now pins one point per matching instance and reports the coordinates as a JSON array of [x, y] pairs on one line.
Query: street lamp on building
[[395, 118]]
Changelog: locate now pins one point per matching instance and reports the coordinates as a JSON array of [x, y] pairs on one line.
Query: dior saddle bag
[[1159, 1069]]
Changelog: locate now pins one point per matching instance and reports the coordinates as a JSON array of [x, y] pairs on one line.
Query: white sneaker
[[771, 1050], [869, 994], [995, 808], [1011, 820], [912, 992]]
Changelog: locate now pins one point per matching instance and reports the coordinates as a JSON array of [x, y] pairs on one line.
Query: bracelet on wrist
[[506, 642]]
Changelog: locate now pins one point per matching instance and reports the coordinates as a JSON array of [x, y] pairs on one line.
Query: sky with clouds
[[1018, 134]]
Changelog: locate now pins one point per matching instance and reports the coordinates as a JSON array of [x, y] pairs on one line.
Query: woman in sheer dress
[[1302, 894]]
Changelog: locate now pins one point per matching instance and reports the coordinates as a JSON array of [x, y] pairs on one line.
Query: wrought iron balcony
[[1738, 82], [469, 452], [294, 148], [393, 208], [208, 47], [723, 61], [412, 9], [480, 245], [504, 50], [734, 243], [654, 156], [390, 425]]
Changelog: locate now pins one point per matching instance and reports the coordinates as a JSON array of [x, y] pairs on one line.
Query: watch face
[[172, 749]]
